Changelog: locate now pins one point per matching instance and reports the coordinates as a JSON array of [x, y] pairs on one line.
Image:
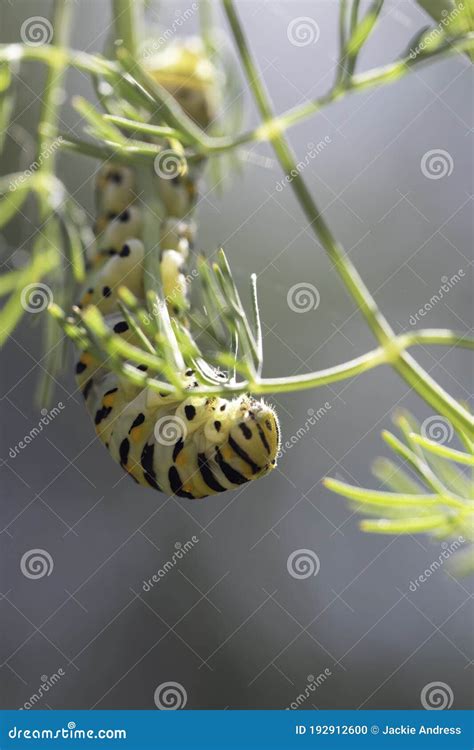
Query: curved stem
[[370, 79], [214, 145], [451, 454], [440, 336], [404, 363], [349, 369], [47, 130]]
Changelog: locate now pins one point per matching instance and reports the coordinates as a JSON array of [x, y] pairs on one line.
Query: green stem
[[353, 367], [404, 364], [370, 79], [137, 126], [426, 387], [99, 66], [125, 22], [436, 336], [354, 15], [451, 454], [350, 275], [48, 122]]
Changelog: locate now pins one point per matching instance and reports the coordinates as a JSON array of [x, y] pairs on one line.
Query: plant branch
[[47, 129], [125, 22], [97, 65], [404, 364]]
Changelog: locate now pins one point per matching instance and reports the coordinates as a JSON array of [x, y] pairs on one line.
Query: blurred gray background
[[228, 623]]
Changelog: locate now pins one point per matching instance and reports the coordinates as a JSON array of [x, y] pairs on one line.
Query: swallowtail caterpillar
[[192, 447]]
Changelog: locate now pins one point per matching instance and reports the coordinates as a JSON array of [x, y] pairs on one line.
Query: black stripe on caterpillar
[[193, 447]]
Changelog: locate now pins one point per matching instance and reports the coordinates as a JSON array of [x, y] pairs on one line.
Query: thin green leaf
[[362, 495], [442, 450], [394, 477], [11, 202], [406, 526]]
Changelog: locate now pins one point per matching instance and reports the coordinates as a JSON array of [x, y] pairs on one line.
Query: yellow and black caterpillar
[[191, 447]]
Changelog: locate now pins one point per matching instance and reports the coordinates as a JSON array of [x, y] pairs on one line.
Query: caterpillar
[[189, 447]]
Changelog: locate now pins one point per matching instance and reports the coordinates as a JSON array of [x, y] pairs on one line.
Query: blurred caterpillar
[[192, 447]]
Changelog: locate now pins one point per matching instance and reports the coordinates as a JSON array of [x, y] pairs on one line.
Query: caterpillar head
[[237, 439], [184, 69], [257, 434]]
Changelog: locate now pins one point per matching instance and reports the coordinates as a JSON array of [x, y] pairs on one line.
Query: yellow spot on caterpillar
[[109, 399], [136, 433], [182, 459], [86, 359], [227, 452]]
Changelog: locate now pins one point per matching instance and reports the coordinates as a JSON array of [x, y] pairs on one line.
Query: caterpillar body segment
[[190, 447], [122, 267]]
